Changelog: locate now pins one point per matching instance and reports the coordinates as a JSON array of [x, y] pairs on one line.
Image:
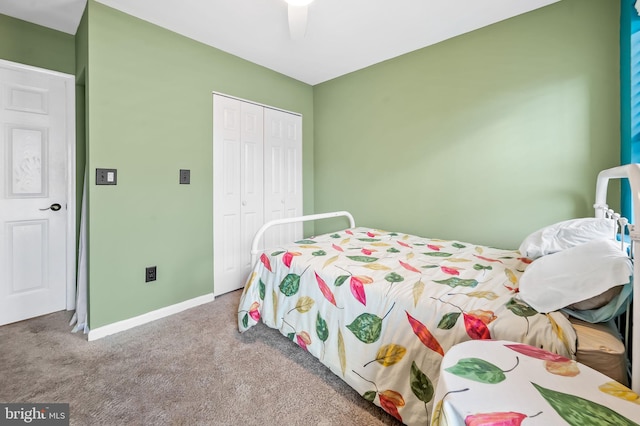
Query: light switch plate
[[185, 176], [106, 177]]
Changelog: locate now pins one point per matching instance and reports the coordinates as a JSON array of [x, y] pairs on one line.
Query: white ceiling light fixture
[[298, 17]]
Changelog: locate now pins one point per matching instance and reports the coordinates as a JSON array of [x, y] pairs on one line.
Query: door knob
[[55, 207]]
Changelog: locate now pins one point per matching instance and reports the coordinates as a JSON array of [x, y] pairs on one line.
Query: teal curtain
[[629, 93]]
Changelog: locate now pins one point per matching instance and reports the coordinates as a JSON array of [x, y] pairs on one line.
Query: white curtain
[[80, 316]]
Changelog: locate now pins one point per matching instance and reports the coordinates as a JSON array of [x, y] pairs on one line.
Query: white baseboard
[[123, 325]]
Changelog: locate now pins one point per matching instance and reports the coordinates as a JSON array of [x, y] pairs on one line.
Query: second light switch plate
[[106, 177]]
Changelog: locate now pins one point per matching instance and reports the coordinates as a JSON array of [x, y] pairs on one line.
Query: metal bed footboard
[[258, 236]]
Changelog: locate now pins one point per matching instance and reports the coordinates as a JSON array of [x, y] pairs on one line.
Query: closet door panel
[[293, 180], [283, 174], [252, 170], [257, 172], [227, 215]]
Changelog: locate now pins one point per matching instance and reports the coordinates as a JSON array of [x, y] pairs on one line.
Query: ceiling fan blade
[[297, 21]]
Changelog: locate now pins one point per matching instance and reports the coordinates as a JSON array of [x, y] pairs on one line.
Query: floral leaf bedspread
[[380, 309], [497, 382]]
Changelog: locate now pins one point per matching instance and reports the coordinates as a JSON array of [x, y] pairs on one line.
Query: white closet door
[[252, 175], [238, 189], [283, 175]]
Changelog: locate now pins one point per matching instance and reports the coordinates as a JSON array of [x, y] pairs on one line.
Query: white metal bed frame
[[630, 172], [255, 250]]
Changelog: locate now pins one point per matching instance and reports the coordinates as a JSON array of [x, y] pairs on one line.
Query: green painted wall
[[81, 53], [482, 138], [31, 44], [82, 48], [149, 102]]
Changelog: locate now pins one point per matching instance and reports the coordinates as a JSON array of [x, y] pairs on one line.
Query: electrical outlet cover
[[150, 274]]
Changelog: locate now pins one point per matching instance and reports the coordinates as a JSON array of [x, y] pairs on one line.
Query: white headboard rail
[[632, 173], [258, 236]]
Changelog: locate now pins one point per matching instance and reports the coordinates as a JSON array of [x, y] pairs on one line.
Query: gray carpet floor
[[192, 368]]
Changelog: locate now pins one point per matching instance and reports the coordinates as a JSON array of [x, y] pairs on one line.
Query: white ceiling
[[342, 35]]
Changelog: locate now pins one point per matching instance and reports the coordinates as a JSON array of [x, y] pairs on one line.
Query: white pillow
[[566, 234], [575, 274]]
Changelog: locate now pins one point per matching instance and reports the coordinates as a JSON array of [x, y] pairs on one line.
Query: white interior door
[[35, 117], [283, 175], [238, 189]]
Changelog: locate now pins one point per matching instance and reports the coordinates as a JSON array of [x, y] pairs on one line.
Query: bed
[[381, 308]]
